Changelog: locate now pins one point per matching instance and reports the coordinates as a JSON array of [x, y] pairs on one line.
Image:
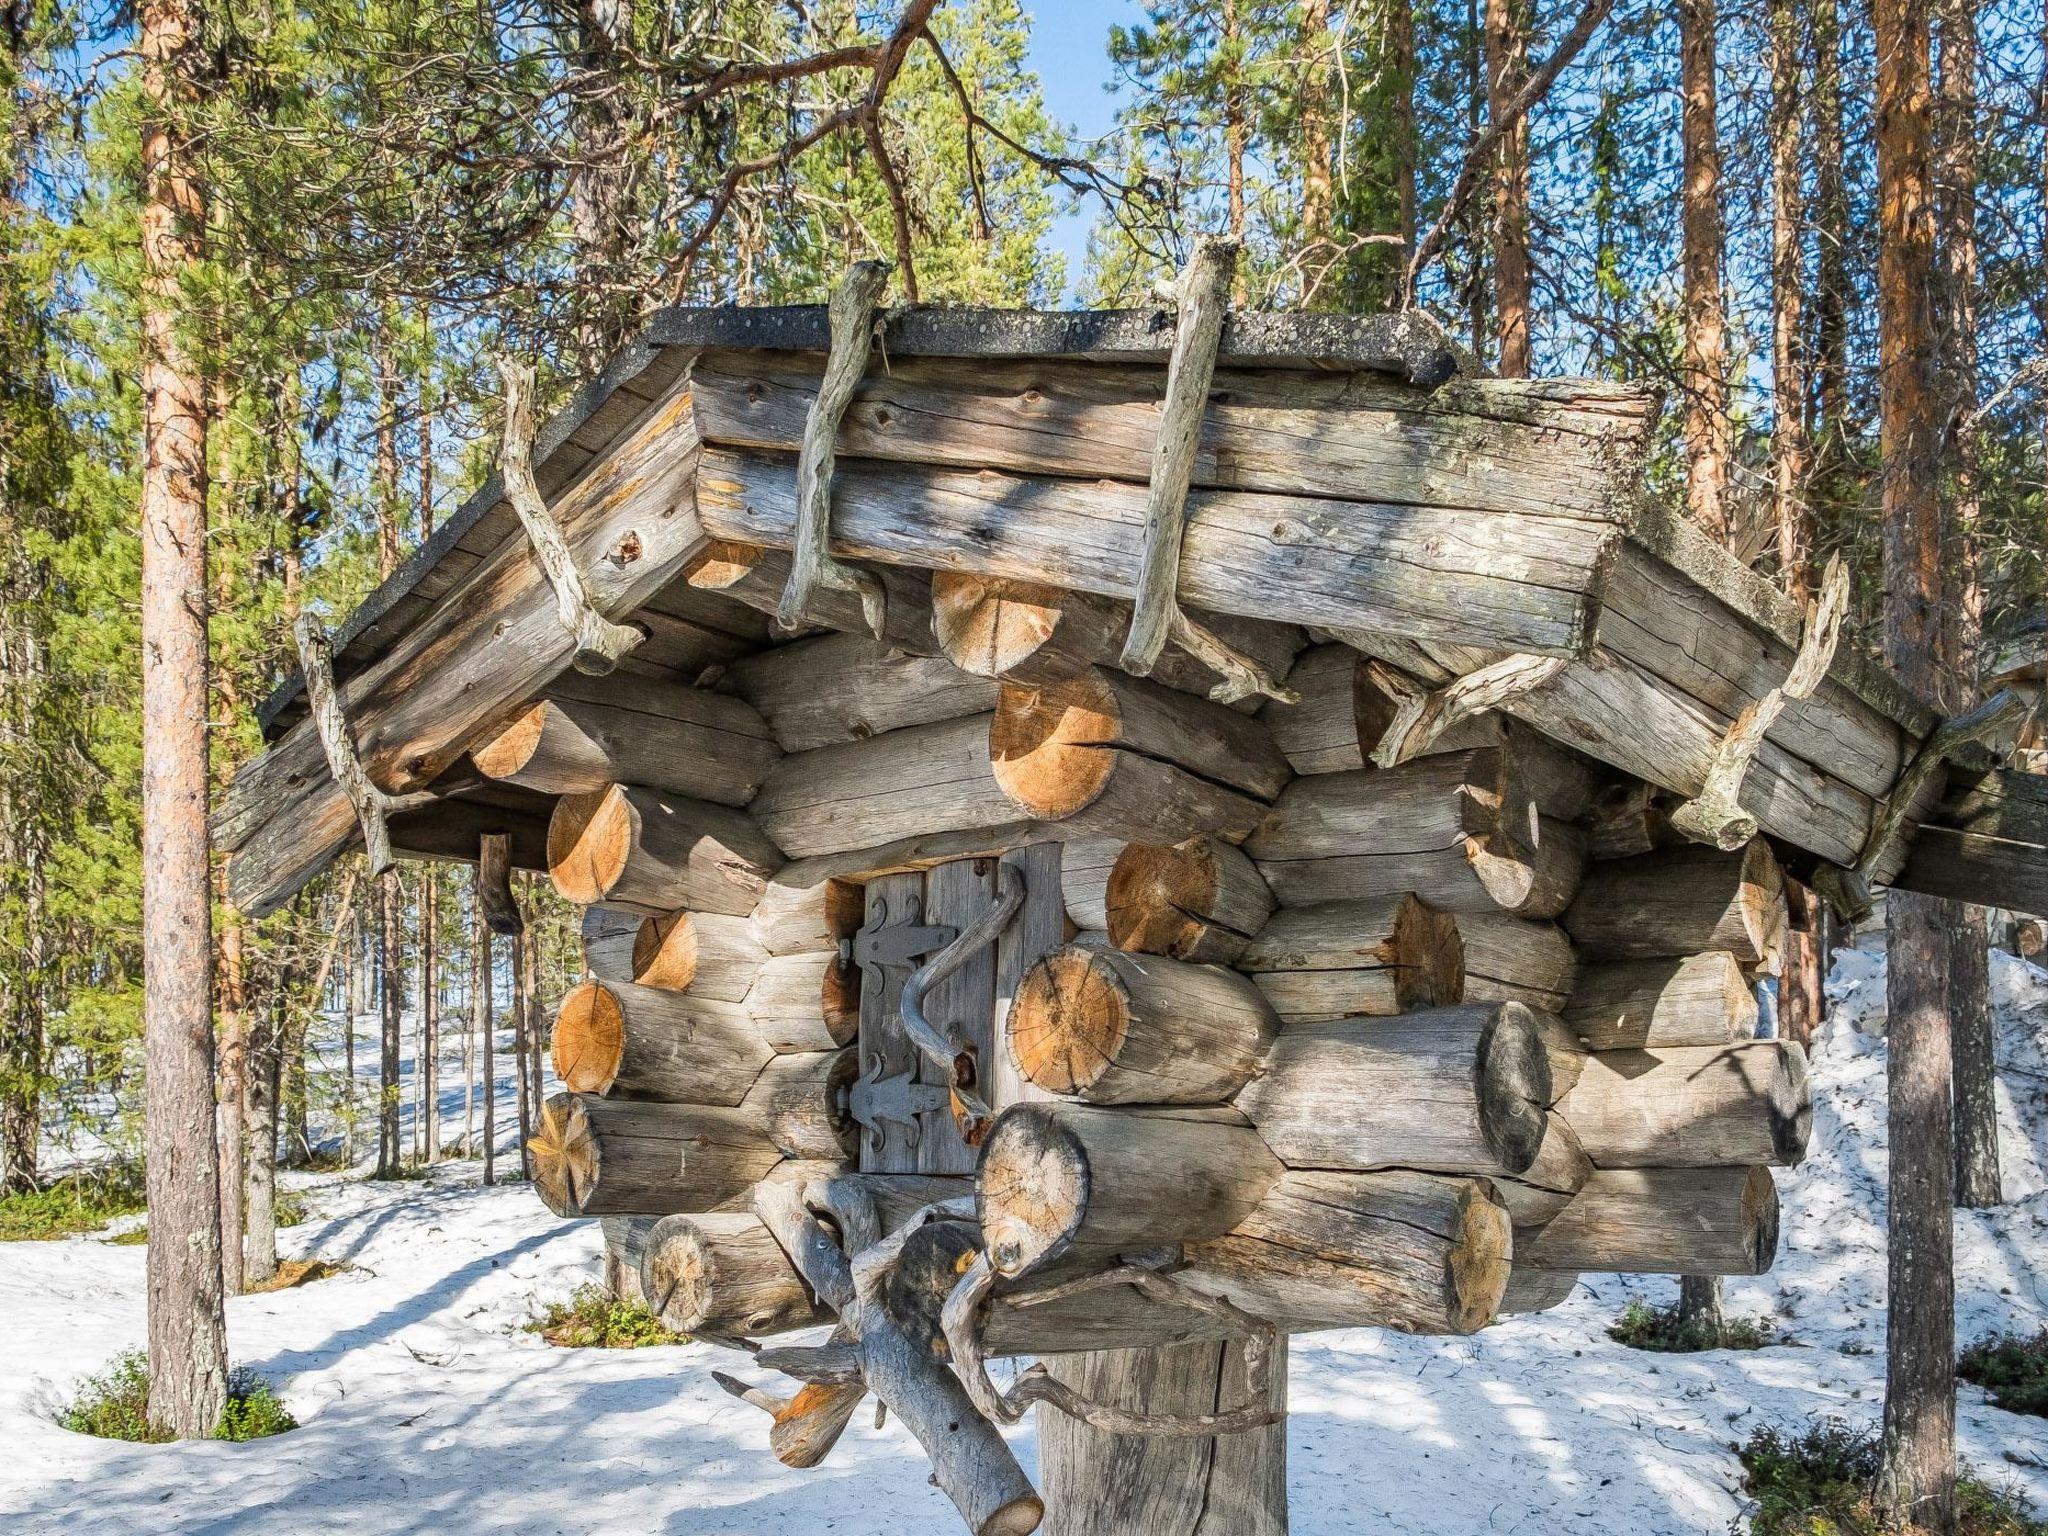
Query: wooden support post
[[494, 885], [1101, 1484]]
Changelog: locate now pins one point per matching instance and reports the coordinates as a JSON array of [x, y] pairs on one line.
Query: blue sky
[[1069, 49]]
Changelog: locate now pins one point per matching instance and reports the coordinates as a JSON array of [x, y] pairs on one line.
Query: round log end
[[1502, 829], [1514, 1086], [1031, 1190], [1050, 745], [991, 625], [1760, 1219], [1068, 1022], [589, 837], [1019, 1517], [1480, 1260], [840, 998], [1762, 902], [507, 754], [665, 951], [590, 1038], [725, 1274], [565, 1156], [1429, 957]]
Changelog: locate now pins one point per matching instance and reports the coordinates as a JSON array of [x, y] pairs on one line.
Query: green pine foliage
[[595, 1319], [77, 1202], [1820, 1482], [2013, 1368], [114, 1405]]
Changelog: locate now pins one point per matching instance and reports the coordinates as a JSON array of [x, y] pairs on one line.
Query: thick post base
[[1159, 1485]]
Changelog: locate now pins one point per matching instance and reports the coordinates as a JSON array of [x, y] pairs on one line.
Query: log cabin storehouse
[[1114, 838]]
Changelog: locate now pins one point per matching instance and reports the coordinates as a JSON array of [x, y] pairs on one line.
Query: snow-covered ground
[[425, 1409]]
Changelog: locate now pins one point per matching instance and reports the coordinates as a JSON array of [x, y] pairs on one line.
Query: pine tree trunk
[[480, 1022], [1791, 454], [536, 1012], [479, 998], [1916, 1483], [1699, 1301], [1507, 61], [187, 1325], [1969, 982], [259, 1159], [391, 1022], [1830, 407], [521, 1045], [1706, 362], [429, 1066]]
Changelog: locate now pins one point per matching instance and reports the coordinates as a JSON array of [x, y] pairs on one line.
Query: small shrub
[[293, 1273], [1821, 1483], [78, 1202], [1658, 1329], [2012, 1369], [114, 1405], [595, 1319], [325, 1160], [289, 1208]]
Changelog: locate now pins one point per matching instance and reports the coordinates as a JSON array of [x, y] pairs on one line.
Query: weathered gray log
[[1560, 865], [452, 679], [1418, 1252], [1511, 959], [1117, 1028], [1032, 633], [792, 919], [800, 1099], [634, 1042], [1536, 1194], [1058, 1179], [1086, 863], [1629, 817], [755, 577], [806, 1002], [1453, 1090], [1199, 900], [625, 1240], [609, 939], [1338, 717], [1099, 1484], [723, 1273], [1681, 901], [1663, 1221], [601, 1157], [448, 832], [1387, 955], [912, 782], [1693, 1106], [837, 688], [656, 853], [581, 737], [1519, 581], [1108, 753], [1536, 1290], [1651, 1004], [713, 954], [1457, 829], [1987, 843]]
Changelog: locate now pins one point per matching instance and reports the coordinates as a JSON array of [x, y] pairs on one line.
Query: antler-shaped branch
[[599, 642], [963, 1321], [1202, 292], [852, 317], [373, 805]]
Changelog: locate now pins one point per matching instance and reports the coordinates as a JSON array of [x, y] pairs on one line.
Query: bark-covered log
[[1457, 829], [656, 853], [1511, 959], [712, 954], [1546, 1186], [1454, 1090], [1663, 1221], [1415, 1251], [800, 1099], [1693, 1106], [723, 1272], [1099, 1484], [1032, 633], [1387, 955], [602, 1157], [1117, 1028], [1109, 753], [793, 919], [687, 741], [1200, 900], [621, 1039], [1629, 1005], [1058, 1179], [1682, 901], [806, 1002], [838, 688]]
